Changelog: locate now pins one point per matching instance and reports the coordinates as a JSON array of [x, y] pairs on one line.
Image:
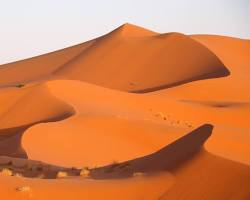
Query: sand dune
[[23, 108], [119, 128], [184, 136], [168, 158], [38, 68], [190, 165], [30, 104], [222, 102], [134, 57], [141, 64], [210, 177]]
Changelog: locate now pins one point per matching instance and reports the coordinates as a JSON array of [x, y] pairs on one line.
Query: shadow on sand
[[217, 74], [168, 158], [10, 138]]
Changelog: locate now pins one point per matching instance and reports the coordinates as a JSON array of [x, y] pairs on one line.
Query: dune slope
[[122, 60], [129, 58], [38, 68], [24, 107]]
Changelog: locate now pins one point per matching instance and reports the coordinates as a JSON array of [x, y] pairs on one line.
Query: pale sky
[[33, 27]]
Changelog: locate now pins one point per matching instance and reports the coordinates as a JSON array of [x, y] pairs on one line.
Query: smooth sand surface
[[151, 116], [137, 63]]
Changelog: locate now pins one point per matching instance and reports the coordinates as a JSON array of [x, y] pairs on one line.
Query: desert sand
[[133, 114]]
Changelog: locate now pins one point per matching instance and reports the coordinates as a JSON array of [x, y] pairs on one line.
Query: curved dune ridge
[[119, 128], [39, 67], [131, 31], [122, 60], [138, 60], [23, 108], [185, 136]]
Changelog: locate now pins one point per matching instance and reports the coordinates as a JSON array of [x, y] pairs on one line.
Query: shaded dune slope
[[23, 108], [233, 52], [168, 158], [199, 174]]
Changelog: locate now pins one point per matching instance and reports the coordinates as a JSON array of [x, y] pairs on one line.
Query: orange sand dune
[[196, 167], [119, 55], [119, 128], [223, 102], [39, 67], [30, 104], [24, 107], [142, 146], [124, 61]]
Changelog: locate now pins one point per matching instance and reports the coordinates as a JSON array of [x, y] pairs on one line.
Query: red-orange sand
[[153, 116]]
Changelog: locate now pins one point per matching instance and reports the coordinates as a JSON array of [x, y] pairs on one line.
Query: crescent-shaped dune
[[24, 107]]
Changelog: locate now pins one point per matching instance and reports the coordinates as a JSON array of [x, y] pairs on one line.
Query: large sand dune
[[133, 59], [129, 58], [153, 116]]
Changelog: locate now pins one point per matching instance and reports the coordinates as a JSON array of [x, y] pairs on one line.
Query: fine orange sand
[[152, 116]]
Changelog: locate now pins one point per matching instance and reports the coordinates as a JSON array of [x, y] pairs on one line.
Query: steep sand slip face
[[24, 107], [30, 104], [122, 60], [39, 67], [170, 157], [233, 52]]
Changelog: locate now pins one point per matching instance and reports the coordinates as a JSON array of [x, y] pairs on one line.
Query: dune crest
[[23, 108], [39, 68], [169, 157], [128, 30]]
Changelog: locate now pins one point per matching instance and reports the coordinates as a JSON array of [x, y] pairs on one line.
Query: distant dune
[[133, 114]]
